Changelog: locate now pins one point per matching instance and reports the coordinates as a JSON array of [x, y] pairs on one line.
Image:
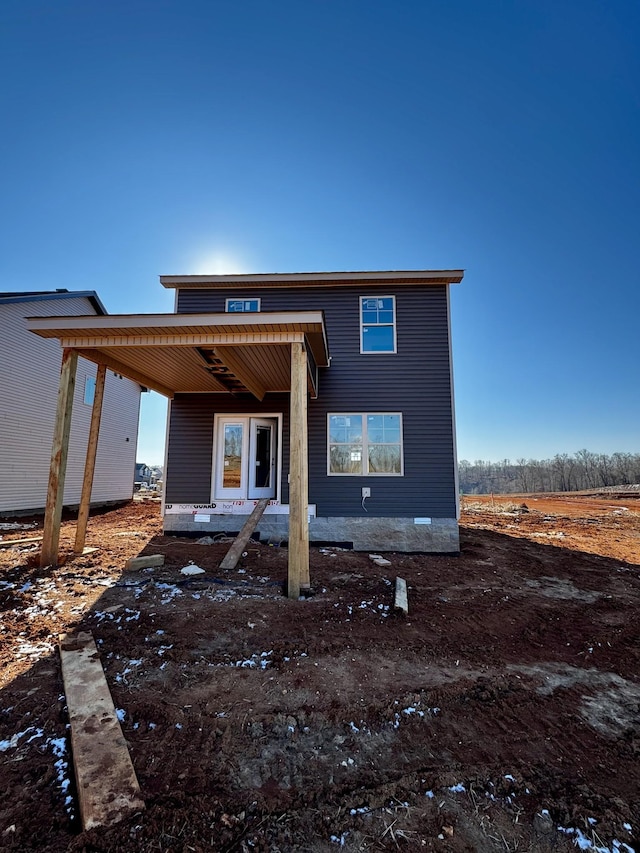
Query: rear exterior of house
[[29, 376], [382, 471]]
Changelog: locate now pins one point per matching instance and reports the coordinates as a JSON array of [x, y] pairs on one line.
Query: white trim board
[[236, 507]]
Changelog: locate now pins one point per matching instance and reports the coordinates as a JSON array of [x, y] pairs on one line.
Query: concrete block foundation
[[441, 536]]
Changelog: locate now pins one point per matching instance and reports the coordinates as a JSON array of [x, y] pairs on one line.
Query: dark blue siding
[[414, 381]]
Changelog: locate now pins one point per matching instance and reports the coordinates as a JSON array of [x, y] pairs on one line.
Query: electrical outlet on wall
[[366, 492]]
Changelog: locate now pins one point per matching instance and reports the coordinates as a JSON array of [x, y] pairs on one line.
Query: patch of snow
[[59, 748], [457, 789], [192, 569], [583, 843], [13, 741], [34, 651], [258, 659]]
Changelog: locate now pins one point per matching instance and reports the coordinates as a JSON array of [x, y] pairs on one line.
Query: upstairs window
[[246, 305], [377, 324], [366, 443]]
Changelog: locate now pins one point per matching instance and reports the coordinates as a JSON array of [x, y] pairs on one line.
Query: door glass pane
[[263, 457], [232, 472]]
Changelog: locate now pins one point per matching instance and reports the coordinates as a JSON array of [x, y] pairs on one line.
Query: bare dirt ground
[[503, 714]]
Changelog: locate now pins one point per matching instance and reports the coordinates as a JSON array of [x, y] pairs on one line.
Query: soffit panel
[[185, 370], [272, 365], [170, 351]]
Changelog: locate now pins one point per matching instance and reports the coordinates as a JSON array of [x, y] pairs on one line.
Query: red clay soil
[[501, 714]]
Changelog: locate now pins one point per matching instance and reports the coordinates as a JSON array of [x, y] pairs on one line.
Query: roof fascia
[[175, 321], [311, 278], [91, 295]]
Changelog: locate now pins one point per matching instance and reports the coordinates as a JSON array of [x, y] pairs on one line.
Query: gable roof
[[7, 297]]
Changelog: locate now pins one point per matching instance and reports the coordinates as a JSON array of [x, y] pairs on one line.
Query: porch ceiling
[[196, 353]]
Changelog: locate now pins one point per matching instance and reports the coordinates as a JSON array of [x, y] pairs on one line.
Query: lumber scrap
[[134, 564], [401, 599], [234, 553], [7, 543], [106, 781]]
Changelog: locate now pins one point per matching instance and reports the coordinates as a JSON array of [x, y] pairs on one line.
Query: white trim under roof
[[331, 278]]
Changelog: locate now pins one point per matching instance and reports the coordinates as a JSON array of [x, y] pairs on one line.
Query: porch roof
[[196, 353]]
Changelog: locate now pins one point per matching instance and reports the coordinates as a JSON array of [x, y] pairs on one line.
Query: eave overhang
[[314, 279], [196, 353]]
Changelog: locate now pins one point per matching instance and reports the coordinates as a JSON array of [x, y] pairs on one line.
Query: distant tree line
[[564, 473]]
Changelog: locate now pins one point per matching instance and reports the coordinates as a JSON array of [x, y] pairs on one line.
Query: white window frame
[[363, 324], [365, 445], [243, 310], [246, 416]]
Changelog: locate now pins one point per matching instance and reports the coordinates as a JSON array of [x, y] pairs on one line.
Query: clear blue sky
[[154, 137]]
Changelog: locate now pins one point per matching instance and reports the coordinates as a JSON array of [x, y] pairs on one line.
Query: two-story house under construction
[[330, 394]]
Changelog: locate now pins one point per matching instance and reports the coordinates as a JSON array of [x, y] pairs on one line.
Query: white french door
[[245, 458]]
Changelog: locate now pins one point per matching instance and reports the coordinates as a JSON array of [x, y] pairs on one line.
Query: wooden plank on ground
[[7, 543], [234, 553], [107, 785], [401, 601]]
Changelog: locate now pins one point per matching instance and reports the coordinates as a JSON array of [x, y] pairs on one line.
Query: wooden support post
[[59, 451], [90, 463], [298, 572]]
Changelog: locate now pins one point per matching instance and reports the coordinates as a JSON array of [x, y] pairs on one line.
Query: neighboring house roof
[[7, 297], [329, 279]]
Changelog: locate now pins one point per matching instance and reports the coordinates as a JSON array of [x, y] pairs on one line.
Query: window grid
[[377, 324], [365, 444]]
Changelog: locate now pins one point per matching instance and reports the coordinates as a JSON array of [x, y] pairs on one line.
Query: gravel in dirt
[[502, 713]]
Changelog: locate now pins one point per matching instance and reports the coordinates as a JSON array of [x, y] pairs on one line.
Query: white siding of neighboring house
[[29, 376]]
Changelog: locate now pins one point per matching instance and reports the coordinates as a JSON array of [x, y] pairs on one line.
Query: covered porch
[[190, 353]]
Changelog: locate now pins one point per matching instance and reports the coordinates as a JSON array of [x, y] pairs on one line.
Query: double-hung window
[[365, 443], [245, 305], [377, 324]]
